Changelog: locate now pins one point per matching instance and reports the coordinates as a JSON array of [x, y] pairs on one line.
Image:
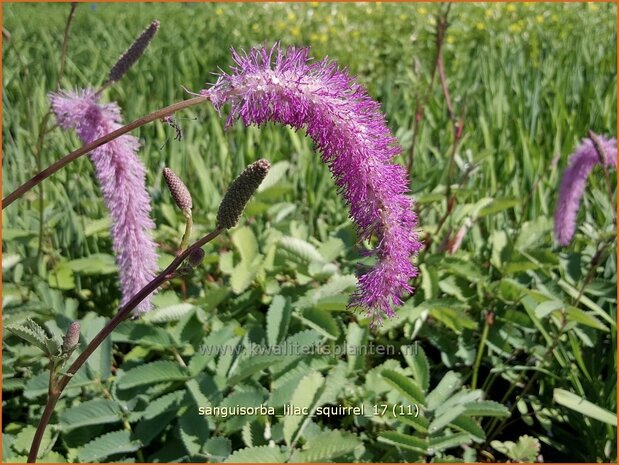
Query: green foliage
[[263, 321]]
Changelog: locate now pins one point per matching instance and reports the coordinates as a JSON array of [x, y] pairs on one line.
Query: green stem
[[480, 351], [188, 226]]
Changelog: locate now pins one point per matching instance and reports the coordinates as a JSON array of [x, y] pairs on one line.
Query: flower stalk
[[72, 156], [57, 386]]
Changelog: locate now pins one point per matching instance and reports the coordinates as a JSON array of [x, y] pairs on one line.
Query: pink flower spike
[[573, 184], [350, 131], [122, 178]]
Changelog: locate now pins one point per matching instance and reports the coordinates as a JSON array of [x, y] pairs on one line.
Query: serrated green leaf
[[218, 449], [95, 264], [419, 423], [100, 361], [139, 333], [405, 441], [405, 386], [327, 446], [303, 251], [445, 388], [260, 454], [23, 440], [246, 243], [278, 318], [194, 431], [276, 172], [304, 397], [445, 418], [30, 331], [151, 373], [116, 442], [436, 444], [486, 408], [470, 426], [92, 412], [156, 407], [169, 313], [322, 322], [251, 365], [418, 361]]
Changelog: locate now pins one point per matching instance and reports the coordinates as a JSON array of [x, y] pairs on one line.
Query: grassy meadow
[[507, 347]]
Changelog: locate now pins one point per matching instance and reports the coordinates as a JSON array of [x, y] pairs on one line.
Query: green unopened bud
[[133, 53], [71, 339], [179, 191], [239, 193]]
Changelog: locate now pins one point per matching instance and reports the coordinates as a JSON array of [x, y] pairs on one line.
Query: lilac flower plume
[[122, 177], [573, 184], [348, 128]]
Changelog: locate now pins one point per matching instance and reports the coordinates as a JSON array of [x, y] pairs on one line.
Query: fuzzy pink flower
[[573, 184], [122, 178], [349, 129]]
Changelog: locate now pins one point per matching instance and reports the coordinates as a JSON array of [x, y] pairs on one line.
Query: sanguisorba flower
[[573, 184], [122, 178], [350, 131]]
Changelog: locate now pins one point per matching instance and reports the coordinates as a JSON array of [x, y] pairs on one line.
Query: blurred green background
[[509, 318]]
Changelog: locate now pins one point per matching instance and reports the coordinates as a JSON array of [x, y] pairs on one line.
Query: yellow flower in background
[[219, 11], [511, 7], [314, 37], [296, 31], [403, 17], [488, 13], [315, 4], [450, 40], [516, 27], [255, 28], [593, 7], [480, 26], [323, 38], [291, 16], [355, 34], [422, 10], [539, 19]]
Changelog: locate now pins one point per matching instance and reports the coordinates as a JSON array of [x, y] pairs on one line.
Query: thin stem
[[480, 351], [61, 163], [56, 389], [420, 104], [44, 130], [188, 226], [65, 42]]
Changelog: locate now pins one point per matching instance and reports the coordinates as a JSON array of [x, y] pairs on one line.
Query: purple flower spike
[[122, 178], [350, 131], [574, 182]]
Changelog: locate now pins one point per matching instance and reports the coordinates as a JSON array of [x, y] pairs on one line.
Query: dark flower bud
[[195, 257], [71, 339], [133, 53], [179, 191], [239, 193]]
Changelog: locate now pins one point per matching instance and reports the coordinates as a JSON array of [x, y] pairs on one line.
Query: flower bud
[[239, 193], [71, 339], [195, 257], [179, 191], [133, 53]]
